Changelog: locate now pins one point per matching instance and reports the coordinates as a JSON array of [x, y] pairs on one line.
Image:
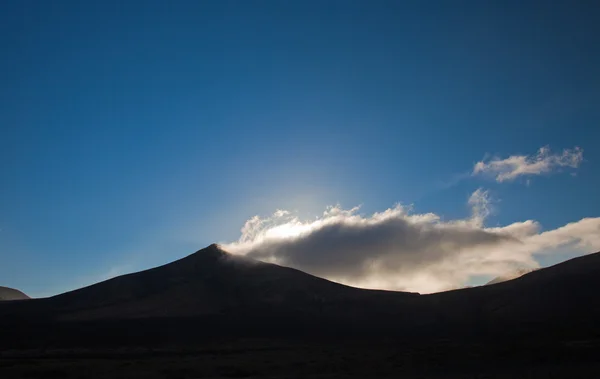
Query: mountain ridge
[[510, 275], [212, 292]]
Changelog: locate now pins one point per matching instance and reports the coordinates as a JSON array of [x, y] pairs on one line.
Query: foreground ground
[[302, 359]]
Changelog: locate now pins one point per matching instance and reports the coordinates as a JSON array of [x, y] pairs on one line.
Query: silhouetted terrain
[[510, 276], [213, 301], [11, 294]]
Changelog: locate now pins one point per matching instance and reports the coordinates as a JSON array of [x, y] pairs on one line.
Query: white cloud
[[522, 165], [402, 250], [480, 203]]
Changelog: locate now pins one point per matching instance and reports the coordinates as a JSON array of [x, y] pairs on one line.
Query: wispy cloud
[[543, 162], [480, 202], [402, 250]]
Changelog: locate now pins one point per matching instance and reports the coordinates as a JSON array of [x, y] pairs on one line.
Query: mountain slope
[[561, 299], [510, 276], [214, 293], [11, 294], [207, 282]]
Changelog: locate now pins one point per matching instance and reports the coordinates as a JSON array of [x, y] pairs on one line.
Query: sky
[[404, 145]]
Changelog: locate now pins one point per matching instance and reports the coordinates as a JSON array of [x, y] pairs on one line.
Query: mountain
[[560, 301], [210, 281], [11, 294], [510, 275], [212, 293]]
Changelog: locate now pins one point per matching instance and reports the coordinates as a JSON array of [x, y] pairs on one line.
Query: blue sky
[[134, 135]]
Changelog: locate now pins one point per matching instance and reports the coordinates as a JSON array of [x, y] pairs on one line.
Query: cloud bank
[[402, 250], [523, 165]]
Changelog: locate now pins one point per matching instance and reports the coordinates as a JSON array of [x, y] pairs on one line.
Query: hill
[[510, 276], [212, 293], [11, 294], [555, 302], [208, 282]]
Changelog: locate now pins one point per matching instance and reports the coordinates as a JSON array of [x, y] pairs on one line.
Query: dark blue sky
[[131, 135]]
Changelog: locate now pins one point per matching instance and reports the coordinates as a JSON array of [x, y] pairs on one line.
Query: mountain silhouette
[[212, 292], [210, 281], [560, 299], [510, 275], [11, 294]]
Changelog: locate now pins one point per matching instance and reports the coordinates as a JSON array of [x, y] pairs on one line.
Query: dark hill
[[558, 300], [212, 293], [11, 294], [510, 276], [208, 282]]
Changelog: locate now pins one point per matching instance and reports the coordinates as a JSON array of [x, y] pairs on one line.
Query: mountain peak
[[209, 255], [213, 248], [213, 251]]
